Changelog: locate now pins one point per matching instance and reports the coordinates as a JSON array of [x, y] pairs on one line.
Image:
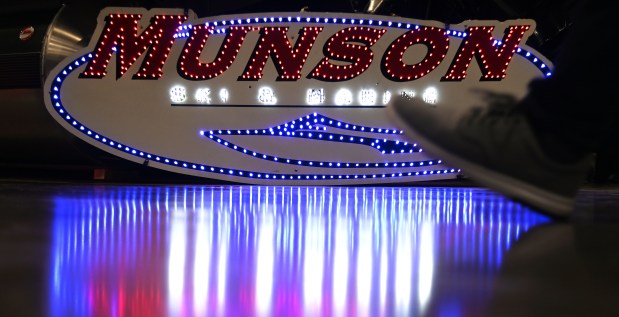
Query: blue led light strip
[[55, 95], [536, 61], [312, 127], [182, 31], [306, 127], [327, 164], [220, 25]]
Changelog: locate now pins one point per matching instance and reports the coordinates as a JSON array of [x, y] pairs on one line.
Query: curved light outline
[[56, 103], [55, 93], [312, 127]]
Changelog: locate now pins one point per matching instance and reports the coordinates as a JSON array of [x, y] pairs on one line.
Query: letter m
[[120, 36]]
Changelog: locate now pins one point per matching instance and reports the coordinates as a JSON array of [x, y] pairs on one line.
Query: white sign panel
[[278, 98]]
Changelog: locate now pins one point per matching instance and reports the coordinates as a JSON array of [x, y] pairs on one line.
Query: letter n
[[492, 56]]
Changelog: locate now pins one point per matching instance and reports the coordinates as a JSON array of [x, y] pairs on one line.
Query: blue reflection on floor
[[265, 251]]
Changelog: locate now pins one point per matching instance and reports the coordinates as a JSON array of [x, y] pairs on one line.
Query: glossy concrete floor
[[70, 249]]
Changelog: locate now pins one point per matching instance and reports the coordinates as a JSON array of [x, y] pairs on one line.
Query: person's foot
[[495, 146]]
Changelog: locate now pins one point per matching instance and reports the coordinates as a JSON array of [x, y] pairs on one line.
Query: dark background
[[33, 145], [553, 17]]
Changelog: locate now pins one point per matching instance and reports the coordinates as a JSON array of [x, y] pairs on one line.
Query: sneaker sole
[[542, 200]]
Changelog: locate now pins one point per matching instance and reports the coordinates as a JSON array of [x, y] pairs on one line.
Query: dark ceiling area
[[553, 17]]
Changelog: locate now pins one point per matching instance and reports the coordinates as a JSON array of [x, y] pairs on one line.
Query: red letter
[[288, 61], [120, 35], [435, 39], [339, 48], [189, 65], [493, 59]]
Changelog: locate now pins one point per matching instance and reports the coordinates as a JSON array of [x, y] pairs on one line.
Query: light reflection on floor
[[272, 251]]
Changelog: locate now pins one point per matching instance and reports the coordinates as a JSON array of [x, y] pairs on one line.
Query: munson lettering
[[279, 98], [347, 53]]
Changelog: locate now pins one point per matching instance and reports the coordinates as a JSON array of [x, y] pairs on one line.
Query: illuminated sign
[[278, 98]]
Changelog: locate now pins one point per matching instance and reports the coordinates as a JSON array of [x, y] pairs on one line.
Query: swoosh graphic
[[315, 127]]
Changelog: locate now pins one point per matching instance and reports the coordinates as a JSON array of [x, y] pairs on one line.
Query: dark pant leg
[[579, 103]]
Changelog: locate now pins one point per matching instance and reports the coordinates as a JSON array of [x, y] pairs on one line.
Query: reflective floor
[[119, 250]]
